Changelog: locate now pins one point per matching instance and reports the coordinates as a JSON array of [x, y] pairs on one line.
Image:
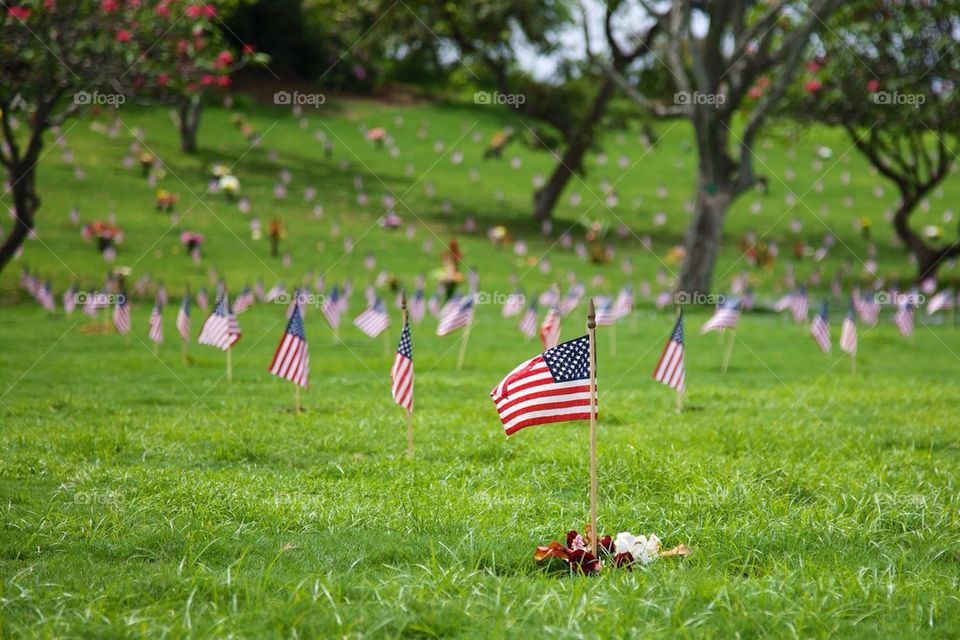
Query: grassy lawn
[[141, 496]]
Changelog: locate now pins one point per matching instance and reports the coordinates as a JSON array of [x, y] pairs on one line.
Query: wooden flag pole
[[726, 356], [592, 333], [229, 366], [403, 323], [679, 312], [463, 345]]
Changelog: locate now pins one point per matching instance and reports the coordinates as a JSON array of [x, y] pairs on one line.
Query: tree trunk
[[25, 201], [929, 259], [189, 116], [577, 144], [704, 237]]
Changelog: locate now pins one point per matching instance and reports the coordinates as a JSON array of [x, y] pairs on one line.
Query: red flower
[[606, 543], [20, 13], [624, 559], [208, 80], [109, 5], [248, 49], [163, 79], [812, 86], [583, 562], [873, 86], [223, 81], [223, 59], [813, 66], [123, 36]]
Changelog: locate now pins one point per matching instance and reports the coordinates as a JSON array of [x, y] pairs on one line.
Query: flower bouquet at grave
[[625, 551]]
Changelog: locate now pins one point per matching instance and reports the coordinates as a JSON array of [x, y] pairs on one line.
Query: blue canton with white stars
[[569, 360], [678, 331], [405, 348], [295, 327]]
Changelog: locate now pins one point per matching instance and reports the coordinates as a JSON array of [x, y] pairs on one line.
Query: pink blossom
[[20, 13], [123, 36], [873, 86], [812, 86]]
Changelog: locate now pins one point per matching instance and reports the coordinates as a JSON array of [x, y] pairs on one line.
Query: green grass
[[145, 497]]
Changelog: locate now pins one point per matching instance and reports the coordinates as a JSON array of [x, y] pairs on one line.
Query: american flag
[[401, 374], [45, 297], [121, 315], [513, 305], [605, 313], [70, 299], [162, 297], [572, 299], [291, 361], [848, 333], [623, 305], [95, 301], [275, 292], [551, 387], [663, 299], [258, 291], [202, 300], [549, 297], [244, 301], [726, 316], [820, 329], [331, 307], [904, 319], [942, 300], [800, 306], [550, 329], [221, 330], [183, 318], [433, 305], [373, 320], [785, 302], [528, 322], [457, 317], [156, 322], [670, 368], [418, 306], [867, 307]]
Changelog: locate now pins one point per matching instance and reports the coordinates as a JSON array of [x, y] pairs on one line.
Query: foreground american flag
[[670, 369], [373, 320], [457, 316], [550, 328], [820, 329], [726, 316], [183, 318], [221, 330], [291, 361], [121, 315], [551, 387], [904, 319], [401, 374], [848, 333], [156, 322]]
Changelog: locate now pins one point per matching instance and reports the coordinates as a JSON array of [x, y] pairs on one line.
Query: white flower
[[229, 183], [643, 549]]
